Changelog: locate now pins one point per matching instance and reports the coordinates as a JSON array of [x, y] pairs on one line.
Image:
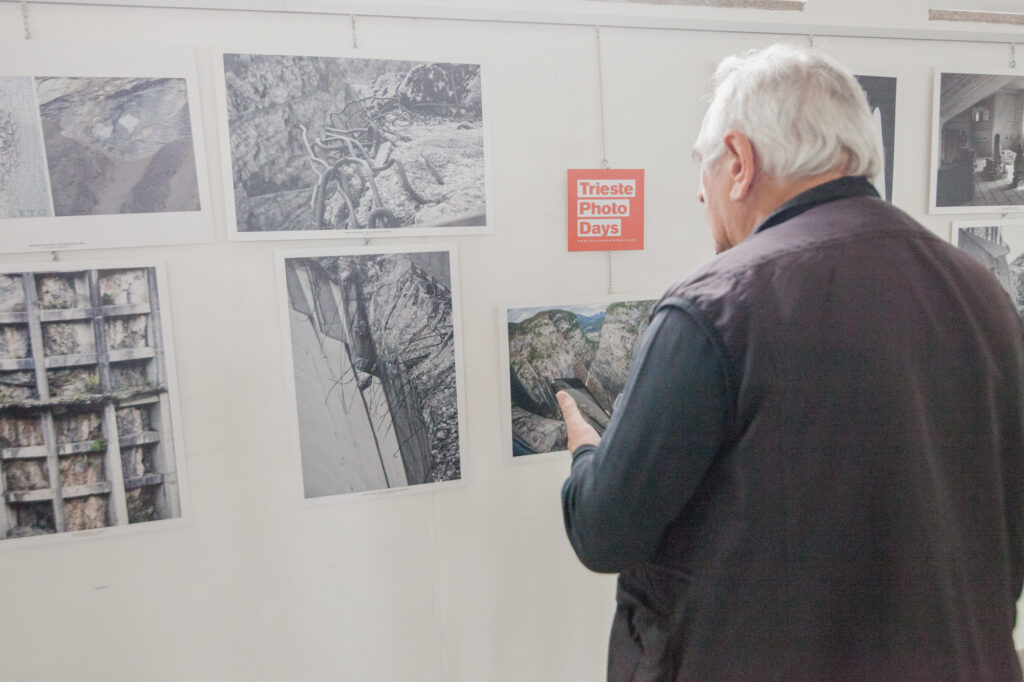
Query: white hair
[[802, 111]]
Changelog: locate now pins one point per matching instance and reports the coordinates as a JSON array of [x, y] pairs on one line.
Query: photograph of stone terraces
[[373, 351], [980, 145], [347, 144], [593, 343], [86, 440]]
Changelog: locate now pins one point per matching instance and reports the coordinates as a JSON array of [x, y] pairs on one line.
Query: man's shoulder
[[846, 228]]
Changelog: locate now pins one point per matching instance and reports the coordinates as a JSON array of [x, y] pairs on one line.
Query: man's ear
[[741, 162]]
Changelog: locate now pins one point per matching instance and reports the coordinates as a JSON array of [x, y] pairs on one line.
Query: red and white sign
[[606, 209]]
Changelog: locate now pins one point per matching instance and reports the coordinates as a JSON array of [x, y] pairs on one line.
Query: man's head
[[780, 121]]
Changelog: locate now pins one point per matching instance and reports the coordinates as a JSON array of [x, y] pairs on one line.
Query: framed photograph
[[977, 143], [352, 146], [90, 433], [373, 351], [1000, 246], [100, 147], [881, 92], [583, 345]]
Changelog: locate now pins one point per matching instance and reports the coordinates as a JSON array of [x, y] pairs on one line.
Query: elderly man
[[816, 468]]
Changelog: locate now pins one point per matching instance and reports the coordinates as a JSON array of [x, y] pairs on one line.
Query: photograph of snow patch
[[329, 146], [590, 343], [373, 342], [118, 145], [88, 429], [1000, 247]]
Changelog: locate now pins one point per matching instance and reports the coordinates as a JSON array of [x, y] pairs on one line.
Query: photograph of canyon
[[349, 145], [373, 349], [593, 343]]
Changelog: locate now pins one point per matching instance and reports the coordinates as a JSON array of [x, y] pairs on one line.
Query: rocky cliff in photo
[[558, 343]]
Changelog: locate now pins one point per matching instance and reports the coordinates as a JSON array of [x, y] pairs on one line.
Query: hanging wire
[[1013, 56], [24, 21], [600, 96], [810, 39], [54, 255], [611, 289], [355, 43], [604, 135]]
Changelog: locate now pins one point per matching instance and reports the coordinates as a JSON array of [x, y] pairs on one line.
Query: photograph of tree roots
[[373, 351], [320, 143], [85, 424], [589, 347]]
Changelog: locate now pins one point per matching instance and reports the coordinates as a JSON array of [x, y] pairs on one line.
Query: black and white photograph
[[881, 92], [89, 434], [584, 348], [347, 146], [118, 145], [373, 348], [978, 143], [24, 188], [101, 146], [1000, 247]]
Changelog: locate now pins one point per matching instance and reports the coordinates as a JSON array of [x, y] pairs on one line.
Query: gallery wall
[[474, 582]]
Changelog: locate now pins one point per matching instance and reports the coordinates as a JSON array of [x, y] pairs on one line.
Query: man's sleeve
[[667, 427]]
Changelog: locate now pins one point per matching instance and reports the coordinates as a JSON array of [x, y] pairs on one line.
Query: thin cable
[[1013, 56], [610, 287], [24, 21], [600, 97], [355, 43], [604, 134], [810, 39]]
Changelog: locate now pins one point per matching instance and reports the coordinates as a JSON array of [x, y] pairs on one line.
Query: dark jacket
[[864, 516]]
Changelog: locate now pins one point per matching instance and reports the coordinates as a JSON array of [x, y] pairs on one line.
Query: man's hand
[[580, 432]]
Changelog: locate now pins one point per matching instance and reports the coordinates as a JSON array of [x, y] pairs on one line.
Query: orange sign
[[606, 209]]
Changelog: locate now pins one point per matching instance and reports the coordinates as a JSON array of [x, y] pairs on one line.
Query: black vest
[[864, 519]]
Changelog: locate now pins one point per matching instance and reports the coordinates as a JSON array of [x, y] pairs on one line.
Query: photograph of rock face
[[118, 145], [86, 439], [24, 188], [593, 343], [881, 92], [354, 145], [373, 349], [978, 145], [1001, 249]]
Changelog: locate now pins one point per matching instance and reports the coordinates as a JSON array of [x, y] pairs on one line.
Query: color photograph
[[584, 347], [118, 145], [87, 416], [100, 147]]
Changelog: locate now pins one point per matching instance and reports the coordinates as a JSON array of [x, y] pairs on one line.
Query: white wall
[[470, 584]]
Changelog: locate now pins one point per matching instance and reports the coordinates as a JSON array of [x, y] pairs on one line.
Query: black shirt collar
[[833, 190]]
